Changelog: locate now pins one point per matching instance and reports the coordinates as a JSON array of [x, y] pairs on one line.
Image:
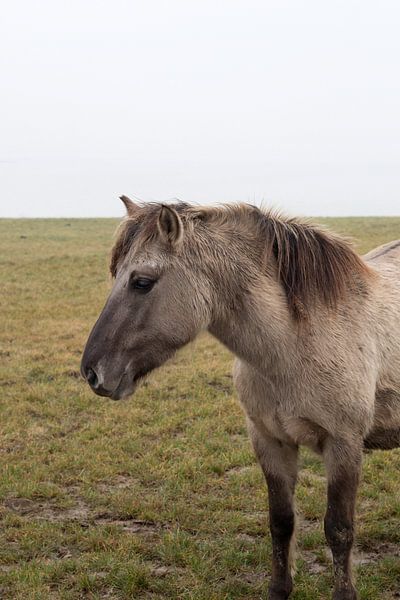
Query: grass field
[[158, 496]]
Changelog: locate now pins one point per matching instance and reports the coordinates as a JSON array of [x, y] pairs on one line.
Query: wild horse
[[314, 327]]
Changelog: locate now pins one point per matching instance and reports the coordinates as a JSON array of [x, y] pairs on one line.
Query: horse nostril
[[92, 379]]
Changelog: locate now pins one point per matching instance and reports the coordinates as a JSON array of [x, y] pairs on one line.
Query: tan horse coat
[[316, 332]]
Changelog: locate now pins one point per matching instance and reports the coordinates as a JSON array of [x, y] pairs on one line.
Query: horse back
[[386, 252]]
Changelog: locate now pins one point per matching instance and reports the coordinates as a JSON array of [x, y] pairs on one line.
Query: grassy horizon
[[158, 496]]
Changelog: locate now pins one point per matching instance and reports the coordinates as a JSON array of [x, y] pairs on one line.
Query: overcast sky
[[293, 103]]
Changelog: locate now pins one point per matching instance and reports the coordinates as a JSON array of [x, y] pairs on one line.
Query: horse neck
[[259, 330]]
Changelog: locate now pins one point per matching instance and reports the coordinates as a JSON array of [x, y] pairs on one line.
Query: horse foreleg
[[279, 464], [343, 464]]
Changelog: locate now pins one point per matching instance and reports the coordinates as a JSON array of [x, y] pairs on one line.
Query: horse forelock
[[139, 228]]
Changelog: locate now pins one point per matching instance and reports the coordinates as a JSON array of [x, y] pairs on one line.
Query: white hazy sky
[[289, 102]]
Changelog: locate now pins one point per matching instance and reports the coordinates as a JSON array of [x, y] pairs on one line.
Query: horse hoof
[[348, 594], [278, 593]]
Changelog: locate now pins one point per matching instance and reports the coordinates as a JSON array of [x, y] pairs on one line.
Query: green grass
[[158, 496]]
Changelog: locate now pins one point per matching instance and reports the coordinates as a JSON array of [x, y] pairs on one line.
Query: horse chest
[[281, 420], [294, 430]]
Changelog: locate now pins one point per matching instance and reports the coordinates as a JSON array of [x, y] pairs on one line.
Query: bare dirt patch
[[384, 550], [121, 482], [81, 513], [48, 511], [313, 563], [255, 578], [239, 470], [131, 525], [317, 565]]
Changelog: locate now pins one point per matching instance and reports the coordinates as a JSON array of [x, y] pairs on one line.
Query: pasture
[[158, 496]]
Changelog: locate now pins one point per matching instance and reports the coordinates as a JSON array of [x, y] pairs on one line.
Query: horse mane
[[313, 264]]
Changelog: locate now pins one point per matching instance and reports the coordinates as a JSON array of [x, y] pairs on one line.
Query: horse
[[314, 327]]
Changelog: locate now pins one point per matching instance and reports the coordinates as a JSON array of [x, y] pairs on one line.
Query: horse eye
[[142, 284]]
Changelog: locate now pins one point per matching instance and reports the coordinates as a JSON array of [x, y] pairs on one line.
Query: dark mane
[[313, 264]]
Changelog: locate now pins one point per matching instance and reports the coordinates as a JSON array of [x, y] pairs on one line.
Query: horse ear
[[170, 225], [130, 206]]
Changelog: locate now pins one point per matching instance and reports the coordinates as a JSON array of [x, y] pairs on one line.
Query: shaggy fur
[[314, 327]]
